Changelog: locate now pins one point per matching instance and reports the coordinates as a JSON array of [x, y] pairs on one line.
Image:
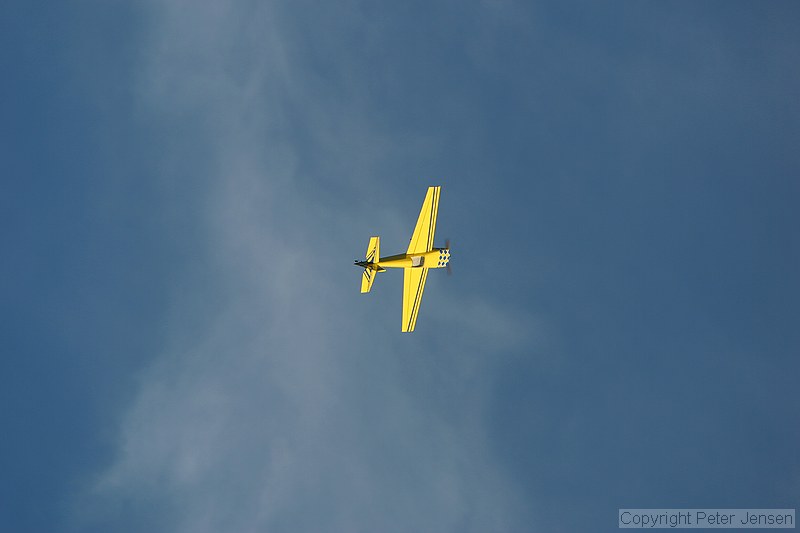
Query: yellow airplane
[[420, 257]]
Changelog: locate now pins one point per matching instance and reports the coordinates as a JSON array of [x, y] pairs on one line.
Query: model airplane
[[420, 257]]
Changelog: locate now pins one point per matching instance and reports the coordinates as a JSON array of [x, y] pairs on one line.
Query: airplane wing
[[422, 238], [413, 285]]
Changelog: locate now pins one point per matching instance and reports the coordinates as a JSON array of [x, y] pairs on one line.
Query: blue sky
[[186, 184]]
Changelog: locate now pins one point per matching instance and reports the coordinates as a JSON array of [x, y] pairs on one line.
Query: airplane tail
[[374, 250], [373, 256], [367, 279]]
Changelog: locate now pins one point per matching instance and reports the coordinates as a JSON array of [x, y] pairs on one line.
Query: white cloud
[[273, 407]]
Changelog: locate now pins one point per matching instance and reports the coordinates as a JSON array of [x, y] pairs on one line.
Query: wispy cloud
[[272, 405]]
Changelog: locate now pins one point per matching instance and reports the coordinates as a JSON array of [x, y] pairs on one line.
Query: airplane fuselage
[[436, 258]]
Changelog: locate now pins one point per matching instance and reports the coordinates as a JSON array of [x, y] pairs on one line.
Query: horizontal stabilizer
[[373, 256], [374, 250], [367, 279]]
